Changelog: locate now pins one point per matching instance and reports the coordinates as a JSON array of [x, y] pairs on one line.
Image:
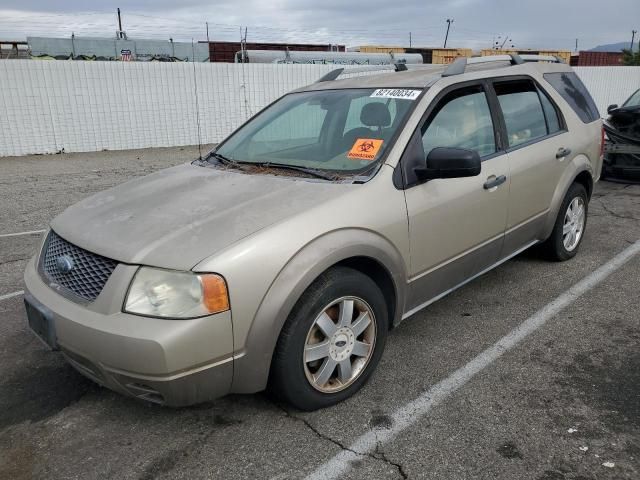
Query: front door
[[456, 226]]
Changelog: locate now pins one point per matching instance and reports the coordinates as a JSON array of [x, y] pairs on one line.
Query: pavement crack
[[616, 214], [378, 454], [318, 433], [14, 260]]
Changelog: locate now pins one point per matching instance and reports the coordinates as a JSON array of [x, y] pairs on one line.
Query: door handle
[[563, 152], [493, 182]]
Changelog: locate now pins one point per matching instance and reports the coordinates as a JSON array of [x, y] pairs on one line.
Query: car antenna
[[195, 91]]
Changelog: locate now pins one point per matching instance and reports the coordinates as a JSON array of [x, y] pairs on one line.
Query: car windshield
[[336, 130], [634, 100]]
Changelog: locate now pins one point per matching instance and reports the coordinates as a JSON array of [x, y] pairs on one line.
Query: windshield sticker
[[365, 149], [396, 93]]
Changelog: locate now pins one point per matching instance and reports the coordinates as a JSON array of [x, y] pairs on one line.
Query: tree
[[630, 58]]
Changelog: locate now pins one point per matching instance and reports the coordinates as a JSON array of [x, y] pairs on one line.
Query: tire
[[297, 376], [556, 246]]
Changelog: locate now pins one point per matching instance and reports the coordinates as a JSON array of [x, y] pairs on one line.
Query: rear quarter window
[[571, 88]]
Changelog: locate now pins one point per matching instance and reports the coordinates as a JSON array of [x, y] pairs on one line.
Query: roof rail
[[541, 58], [334, 74], [459, 66]]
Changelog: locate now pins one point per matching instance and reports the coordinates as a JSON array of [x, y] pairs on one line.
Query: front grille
[[88, 273]]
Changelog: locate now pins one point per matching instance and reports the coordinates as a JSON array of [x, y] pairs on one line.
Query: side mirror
[[611, 108], [445, 162]]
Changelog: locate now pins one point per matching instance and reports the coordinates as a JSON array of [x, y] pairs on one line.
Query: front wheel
[[331, 342], [570, 225]]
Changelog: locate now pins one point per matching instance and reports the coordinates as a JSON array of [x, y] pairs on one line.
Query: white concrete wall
[[48, 106], [609, 85]]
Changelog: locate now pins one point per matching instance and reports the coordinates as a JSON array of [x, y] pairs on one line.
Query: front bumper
[[172, 362]]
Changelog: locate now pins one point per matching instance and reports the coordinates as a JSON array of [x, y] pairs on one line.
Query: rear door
[[456, 225], [538, 148]]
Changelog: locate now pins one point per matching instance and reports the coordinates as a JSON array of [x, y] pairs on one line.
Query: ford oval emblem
[[64, 263]]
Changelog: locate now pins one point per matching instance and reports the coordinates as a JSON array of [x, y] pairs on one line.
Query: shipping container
[[379, 49], [565, 55], [440, 55], [448, 55], [599, 59]]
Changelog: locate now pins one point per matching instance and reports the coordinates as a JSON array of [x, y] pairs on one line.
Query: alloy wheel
[[339, 344], [573, 227]]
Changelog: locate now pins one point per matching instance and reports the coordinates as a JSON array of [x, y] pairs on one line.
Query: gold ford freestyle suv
[[284, 257]]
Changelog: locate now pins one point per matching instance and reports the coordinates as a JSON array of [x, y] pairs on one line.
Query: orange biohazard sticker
[[365, 149]]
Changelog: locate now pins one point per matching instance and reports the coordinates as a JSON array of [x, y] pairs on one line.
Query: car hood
[[177, 217]]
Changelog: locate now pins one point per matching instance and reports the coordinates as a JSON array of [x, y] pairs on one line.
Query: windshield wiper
[[241, 165], [309, 171], [222, 158]]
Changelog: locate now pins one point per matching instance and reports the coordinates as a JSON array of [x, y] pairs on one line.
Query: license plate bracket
[[41, 323]]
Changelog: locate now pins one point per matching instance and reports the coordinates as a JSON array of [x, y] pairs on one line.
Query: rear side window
[[550, 113], [462, 120], [522, 111], [571, 88]]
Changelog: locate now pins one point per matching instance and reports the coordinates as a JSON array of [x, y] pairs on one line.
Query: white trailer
[[322, 58]]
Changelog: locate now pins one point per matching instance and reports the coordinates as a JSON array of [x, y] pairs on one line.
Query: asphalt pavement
[[562, 403]]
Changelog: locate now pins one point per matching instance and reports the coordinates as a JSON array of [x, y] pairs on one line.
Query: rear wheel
[[570, 225], [331, 342]]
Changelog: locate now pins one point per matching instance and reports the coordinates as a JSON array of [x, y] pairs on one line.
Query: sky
[[477, 24]]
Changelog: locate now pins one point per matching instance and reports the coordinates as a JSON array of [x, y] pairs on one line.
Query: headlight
[[172, 294]]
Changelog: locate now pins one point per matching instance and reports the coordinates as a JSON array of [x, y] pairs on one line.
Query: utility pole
[[207, 23], [409, 39], [633, 37], [449, 22], [119, 24], [243, 44], [576, 44]]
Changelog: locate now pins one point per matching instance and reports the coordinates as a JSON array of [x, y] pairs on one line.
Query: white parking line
[[407, 415], [31, 232], [11, 295]]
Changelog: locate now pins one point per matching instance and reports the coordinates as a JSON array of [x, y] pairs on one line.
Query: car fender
[[251, 366], [580, 163]]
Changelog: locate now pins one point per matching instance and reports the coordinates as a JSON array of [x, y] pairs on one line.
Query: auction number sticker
[[365, 149], [401, 93]]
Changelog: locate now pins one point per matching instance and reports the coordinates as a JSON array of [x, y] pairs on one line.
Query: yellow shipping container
[[565, 55], [448, 55], [380, 49]]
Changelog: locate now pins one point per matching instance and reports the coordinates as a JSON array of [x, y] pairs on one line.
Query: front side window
[[336, 130], [522, 111], [461, 120]]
